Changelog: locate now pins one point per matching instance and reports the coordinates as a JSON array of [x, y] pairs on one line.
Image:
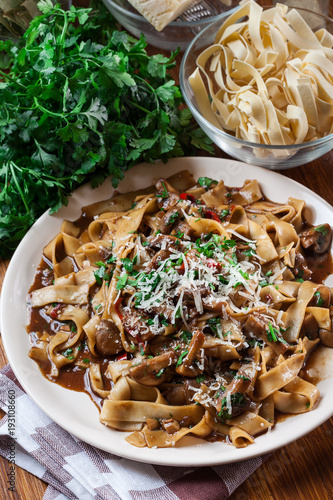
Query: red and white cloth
[[76, 470]]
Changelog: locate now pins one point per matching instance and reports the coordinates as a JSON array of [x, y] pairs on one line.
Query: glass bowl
[[272, 157], [177, 34]]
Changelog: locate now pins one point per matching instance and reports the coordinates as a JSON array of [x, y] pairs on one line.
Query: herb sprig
[[81, 101]]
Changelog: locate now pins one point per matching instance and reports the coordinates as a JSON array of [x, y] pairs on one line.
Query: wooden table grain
[[302, 470]]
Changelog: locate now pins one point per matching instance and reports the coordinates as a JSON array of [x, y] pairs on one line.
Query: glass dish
[[177, 34], [272, 157]]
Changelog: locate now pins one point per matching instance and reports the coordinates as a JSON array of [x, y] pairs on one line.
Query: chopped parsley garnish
[[128, 263], [321, 229], [81, 346], [242, 377], [164, 193], [206, 182], [181, 357], [213, 245], [186, 336], [174, 217], [164, 321], [236, 399], [224, 213], [272, 333], [111, 259], [320, 300], [215, 325], [102, 274], [255, 342], [178, 313], [121, 282], [249, 253], [68, 354]]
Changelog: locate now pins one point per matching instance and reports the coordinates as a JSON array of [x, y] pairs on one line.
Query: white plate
[[74, 411]]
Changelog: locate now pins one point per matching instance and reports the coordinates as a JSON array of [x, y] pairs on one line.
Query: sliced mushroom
[[170, 425], [301, 269], [188, 368], [182, 394], [166, 195], [239, 403], [213, 304], [136, 324], [165, 220], [163, 241], [202, 288], [153, 371], [317, 239], [255, 326], [239, 400], [152, 424], [159, 257], [108, 338], [182, 227], [176, 396]]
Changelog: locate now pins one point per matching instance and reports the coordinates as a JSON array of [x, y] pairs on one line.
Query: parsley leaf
[[80, 102]]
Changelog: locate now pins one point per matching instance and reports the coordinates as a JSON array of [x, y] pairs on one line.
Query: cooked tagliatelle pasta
[[185, 308], [268, 78]]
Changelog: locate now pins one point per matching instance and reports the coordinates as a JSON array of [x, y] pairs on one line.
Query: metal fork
[[201, 10]]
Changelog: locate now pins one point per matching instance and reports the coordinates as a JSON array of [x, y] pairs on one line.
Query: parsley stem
[[139, 107], [150, 87], [12, 166], [47, 111], [12, 79]]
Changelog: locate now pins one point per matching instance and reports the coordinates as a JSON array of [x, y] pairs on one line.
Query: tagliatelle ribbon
[[268, 78]]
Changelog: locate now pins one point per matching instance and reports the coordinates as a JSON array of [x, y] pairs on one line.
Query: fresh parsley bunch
[[81, 101]]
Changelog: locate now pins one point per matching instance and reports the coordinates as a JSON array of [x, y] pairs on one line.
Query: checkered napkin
[[76, 470]]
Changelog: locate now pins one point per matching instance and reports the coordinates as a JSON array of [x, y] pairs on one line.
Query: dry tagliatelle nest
[[268, 78]]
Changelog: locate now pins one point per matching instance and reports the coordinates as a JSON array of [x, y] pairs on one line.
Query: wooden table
[[301, 471]]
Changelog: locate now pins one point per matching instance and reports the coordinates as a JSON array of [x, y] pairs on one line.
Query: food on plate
[[189, 307], [267, 78]]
